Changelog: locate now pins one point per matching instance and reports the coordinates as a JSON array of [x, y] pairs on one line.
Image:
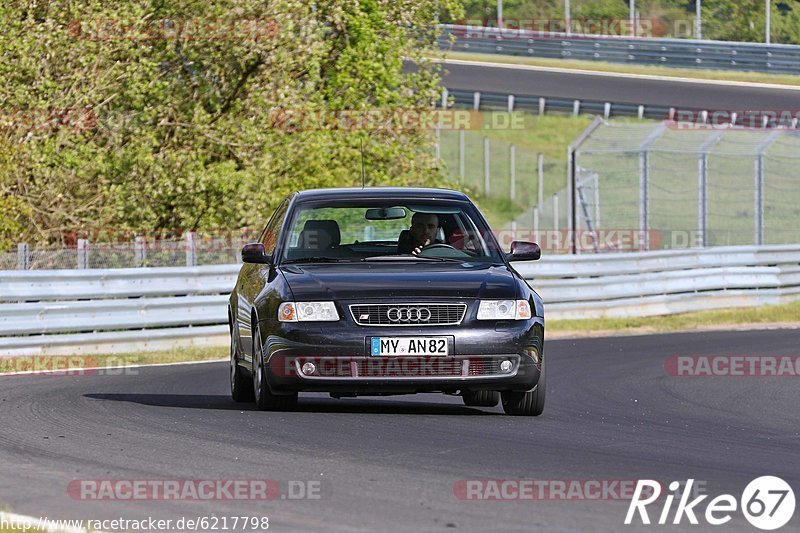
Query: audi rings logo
[[409, 314]]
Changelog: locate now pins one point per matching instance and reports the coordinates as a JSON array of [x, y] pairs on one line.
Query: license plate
[[382, 346]]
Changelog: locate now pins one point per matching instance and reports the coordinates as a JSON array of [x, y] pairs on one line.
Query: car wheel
[[241, 388], [481, 398], [530, 403], [265, 400]]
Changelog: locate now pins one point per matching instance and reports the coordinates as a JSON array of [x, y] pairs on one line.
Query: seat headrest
[[320, 234]]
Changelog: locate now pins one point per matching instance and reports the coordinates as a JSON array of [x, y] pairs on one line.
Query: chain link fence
[[694, 186], [191, 249]]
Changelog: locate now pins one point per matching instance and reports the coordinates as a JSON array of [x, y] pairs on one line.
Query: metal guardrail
[[479, 100], [118, 310], [687, 53]]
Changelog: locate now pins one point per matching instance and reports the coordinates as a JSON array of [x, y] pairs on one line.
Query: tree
[[164, 118]]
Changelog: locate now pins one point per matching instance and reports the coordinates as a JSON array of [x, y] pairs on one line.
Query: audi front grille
[[425, 314]]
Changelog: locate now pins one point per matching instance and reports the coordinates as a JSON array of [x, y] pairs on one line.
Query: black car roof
[[382, 192]]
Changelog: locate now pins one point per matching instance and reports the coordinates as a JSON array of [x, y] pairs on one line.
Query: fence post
[[644, 183], [191, 248], [572, 171], [461, 155], [512, 165], [536, 222], [702, 187], [759, 186], [139, 251], [540, 172], [555, 212], [487, 187], [83, 253], [644, 197], [23, 256]]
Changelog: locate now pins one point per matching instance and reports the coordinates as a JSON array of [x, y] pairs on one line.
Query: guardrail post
[[83, 253], [191, 248], [23, 256], [641, 112], [512, 166], [487, 186], [444, 98], [510, 103], [607, 110], [461, 155], [576, 107], [542, 103], [476, 100], [139, 251]]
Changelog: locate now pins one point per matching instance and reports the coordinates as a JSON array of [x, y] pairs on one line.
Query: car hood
[[393, 281]]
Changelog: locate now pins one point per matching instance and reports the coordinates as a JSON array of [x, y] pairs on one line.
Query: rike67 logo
[[767, 503]]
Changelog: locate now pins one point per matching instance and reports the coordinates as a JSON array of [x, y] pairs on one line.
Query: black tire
[[530, 403], [265, 400], [241, 387], [481, 398]]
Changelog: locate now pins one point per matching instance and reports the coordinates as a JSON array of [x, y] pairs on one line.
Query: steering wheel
[[437, 245]]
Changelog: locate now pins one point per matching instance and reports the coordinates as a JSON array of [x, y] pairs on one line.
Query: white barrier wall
[[140, 309]]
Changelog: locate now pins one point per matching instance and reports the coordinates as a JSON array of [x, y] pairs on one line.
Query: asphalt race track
[[610, 88], [612, 413]]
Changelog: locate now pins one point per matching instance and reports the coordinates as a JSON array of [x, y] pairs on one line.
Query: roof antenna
[[363, 172]]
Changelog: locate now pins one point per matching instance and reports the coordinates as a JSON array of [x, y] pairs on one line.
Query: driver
[[423, 230]]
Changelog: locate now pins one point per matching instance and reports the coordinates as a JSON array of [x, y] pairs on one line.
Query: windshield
[[394, 231]]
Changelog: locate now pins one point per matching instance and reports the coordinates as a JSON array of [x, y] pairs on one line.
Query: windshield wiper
[[408, 257], [315, 260]]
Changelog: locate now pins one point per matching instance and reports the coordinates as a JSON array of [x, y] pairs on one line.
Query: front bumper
[[342, 363]]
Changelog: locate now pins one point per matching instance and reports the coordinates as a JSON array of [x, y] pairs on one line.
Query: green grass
[[722, 75], [772, 314]]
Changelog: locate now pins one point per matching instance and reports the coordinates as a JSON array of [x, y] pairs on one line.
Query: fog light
[[309, 368], [505, 366]]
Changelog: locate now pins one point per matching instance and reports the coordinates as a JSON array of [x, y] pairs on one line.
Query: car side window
[[269, 238]]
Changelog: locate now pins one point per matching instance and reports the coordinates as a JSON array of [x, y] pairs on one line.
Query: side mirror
[[524, 251], [254, 252]]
